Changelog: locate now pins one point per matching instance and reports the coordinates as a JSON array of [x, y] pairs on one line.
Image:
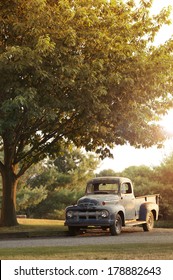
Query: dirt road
[[130, 235]]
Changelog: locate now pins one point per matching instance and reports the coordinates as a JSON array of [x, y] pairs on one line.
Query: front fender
[[117, 209], [146, 208]]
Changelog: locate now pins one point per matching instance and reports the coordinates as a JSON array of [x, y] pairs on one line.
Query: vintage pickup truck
[[109, 203]]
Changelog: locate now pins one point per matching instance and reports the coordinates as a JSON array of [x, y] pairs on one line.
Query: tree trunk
[[8, 209]]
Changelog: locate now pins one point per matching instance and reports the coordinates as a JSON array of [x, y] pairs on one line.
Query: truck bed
[[148, 198]]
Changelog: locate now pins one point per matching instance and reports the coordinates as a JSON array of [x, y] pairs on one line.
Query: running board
[[134, 223]]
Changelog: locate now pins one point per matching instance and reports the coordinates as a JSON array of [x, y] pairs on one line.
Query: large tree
[[81, 71]]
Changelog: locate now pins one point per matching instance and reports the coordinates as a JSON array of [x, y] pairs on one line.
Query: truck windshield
[[102, 188]]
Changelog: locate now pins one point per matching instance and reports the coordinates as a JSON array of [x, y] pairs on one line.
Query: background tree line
[[50, 186]]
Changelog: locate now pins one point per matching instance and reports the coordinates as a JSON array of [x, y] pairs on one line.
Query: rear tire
[[116, 228], [149, 222]]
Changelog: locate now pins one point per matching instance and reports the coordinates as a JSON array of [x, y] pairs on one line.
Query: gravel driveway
[[130, 235]]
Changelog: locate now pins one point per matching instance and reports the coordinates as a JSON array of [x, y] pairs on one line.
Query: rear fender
[[146, 208]]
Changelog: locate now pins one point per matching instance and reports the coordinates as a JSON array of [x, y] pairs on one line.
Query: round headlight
[[104, 213], [69, 214]]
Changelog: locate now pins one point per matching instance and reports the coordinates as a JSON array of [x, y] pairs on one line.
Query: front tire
[[149, 222], [116, 228]]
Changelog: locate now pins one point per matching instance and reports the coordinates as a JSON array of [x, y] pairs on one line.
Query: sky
[[125, 156]]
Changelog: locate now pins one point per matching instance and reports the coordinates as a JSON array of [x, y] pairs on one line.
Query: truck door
[[128, 200]]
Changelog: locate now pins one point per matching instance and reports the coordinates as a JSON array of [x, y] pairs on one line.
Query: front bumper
[[101, 223]]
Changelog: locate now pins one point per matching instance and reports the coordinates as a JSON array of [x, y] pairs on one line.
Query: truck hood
[[97, 200]]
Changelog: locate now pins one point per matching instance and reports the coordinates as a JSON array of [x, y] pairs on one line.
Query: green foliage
[[28, 197], [164, 177], [78, 70], [54, 206], [164, 172]]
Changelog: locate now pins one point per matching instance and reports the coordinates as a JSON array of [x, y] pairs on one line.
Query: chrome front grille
[[86, 215]]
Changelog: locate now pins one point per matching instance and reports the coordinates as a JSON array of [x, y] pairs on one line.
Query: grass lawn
[[36, 227], [97, 252]]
